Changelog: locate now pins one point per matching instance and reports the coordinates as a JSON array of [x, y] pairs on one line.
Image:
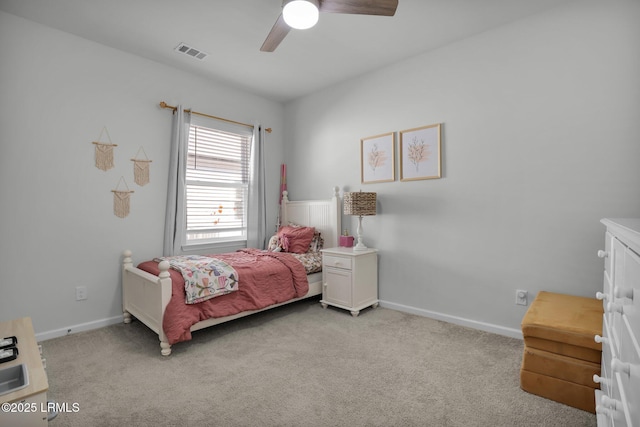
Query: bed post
[[127, 262], [336, 206], [283, 209], [164, 280]]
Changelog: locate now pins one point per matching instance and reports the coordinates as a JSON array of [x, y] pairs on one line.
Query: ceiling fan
[[307, 11]]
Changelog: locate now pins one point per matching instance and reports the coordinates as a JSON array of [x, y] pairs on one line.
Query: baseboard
[[56, 333], [487, 327]]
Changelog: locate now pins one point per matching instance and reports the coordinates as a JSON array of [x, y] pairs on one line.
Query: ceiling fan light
[[301, 14]]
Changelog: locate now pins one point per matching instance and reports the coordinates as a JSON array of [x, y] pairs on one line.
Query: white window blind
[[217, 181]]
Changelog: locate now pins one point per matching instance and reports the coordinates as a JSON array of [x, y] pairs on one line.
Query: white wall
[[540, 141], [57, 226]]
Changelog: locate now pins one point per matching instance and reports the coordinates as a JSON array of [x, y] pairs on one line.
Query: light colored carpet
[[299, 365]]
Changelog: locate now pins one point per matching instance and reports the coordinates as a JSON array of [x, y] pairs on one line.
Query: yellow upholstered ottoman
[[560, 355]]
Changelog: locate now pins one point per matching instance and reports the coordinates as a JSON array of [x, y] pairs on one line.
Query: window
[[217, 183]]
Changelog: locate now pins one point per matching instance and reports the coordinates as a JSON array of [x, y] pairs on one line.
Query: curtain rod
[[164, 105]]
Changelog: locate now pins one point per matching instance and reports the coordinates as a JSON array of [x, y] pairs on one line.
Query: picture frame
[[420, 153], [377, 158]]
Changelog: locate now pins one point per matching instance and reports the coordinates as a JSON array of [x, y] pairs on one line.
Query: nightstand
[[349, 279]]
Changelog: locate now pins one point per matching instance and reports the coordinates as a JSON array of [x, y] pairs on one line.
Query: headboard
[[324, 215]]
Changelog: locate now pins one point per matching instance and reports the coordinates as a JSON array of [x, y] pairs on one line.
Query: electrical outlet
[[81, 293], [522, 297]]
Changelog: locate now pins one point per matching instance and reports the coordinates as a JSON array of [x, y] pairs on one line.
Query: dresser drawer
[[617, 263], [630, 293], [620, 414], [613, 408], [607, 356], [606, 295], [607, 255], [630, 370], [337, 262], [614, 306], [603, 415]]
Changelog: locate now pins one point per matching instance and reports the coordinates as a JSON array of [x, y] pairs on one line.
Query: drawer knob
[[601, 296], [599, 380], [611, 307], [623, 292], [603, 254], [602, 410], [599, 339], [623, 367], [610, 403]]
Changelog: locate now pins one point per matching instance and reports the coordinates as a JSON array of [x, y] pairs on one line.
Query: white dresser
[[618, 400]]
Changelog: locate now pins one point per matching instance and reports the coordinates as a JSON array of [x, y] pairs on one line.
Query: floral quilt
[[204, 277]]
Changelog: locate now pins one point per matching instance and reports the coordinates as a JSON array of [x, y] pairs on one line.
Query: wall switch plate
[[81, 293], [522, 297]]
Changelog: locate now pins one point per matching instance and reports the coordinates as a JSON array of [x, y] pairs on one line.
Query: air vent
[[188, 50]]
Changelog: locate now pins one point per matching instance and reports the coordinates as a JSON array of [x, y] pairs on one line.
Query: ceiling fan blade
[[360, 7], [278, 32]]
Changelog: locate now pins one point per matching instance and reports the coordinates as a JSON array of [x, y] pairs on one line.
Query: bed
[[149, 293]]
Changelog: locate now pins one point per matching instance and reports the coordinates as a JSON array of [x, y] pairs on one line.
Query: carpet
[[299, 365]]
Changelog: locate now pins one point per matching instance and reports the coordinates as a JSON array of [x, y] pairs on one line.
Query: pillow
[[317, 243], [296, 239]]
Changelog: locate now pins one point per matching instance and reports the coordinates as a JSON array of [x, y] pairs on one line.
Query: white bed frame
[[145, 296]]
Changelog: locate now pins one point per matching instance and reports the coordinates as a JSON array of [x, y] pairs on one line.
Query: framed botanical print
[[420, 156], [377, 158]]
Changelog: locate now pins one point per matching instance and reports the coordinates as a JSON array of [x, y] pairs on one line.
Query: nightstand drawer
[[337, 262]]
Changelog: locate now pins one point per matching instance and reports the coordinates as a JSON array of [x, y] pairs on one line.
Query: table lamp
[[359, 204]]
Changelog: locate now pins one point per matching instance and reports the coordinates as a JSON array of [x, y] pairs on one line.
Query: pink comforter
[[265, 278]]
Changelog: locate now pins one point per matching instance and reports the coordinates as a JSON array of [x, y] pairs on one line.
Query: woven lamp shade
[[360, 203]]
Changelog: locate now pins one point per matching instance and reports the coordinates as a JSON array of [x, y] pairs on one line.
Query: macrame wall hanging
[[141, 168], [104, 151], [121, 199]]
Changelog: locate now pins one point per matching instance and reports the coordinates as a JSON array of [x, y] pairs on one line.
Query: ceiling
[[339, 47]]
